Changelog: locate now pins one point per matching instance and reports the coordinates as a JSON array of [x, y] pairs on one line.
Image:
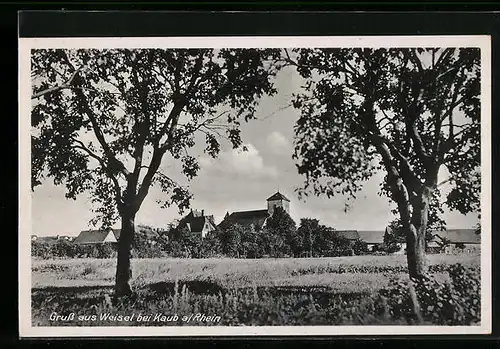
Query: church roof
[[246, 218], [249, 214], [278, 196]]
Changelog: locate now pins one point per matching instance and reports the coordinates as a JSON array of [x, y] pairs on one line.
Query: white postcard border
[[25, 229]]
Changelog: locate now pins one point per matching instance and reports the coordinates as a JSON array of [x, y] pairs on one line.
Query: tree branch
[[65, 85], [168, 129], [419, 145], [148, 177], [95, 125], [445, 181], [141, 126], [412, 56], [80, 145], [446, 53], [180, 101], [401, 179]]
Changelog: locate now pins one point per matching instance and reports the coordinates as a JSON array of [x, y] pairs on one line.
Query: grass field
[[240, 291]]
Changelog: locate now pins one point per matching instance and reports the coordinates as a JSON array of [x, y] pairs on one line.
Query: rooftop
[[464, 236], [197, 223], [257, 218], [372, 236], [95, 236], [278, 196], [348, 234]]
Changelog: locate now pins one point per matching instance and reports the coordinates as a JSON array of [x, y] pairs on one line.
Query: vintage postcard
[[241, 186]]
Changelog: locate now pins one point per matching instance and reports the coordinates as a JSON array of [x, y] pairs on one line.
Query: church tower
[[278, 200]]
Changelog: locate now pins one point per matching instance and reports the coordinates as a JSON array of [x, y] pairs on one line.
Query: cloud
[[239, 163], [277, 142]]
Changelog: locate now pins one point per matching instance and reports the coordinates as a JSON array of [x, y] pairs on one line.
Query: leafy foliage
[[449, 303], [66, 249], [104, 119], [408, 112], [308, 229], [148, 243], [184, 243], [282, 228], [321, 241], [231, 240], [211, 245], [359, 247], [335, 135]]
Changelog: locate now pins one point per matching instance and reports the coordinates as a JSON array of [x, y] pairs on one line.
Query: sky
[[238, 181]]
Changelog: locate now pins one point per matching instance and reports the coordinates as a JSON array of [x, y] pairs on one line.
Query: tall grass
[[246, 306], [323, 291], [238, 272]]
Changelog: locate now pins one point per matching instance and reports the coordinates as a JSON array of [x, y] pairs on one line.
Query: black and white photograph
[[255, 186]]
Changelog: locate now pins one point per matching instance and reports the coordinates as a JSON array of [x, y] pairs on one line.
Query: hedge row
[[368, 269], [67, 249]]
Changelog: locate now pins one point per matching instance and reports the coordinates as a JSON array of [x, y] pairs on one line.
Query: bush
[[359, 247], [445, 303], [41, 250], [392, 248], [67, 249], [63, 248], [104, 251]]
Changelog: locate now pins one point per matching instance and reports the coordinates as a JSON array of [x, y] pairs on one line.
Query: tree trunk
[[415, 251], [123, 269], [415, 234]]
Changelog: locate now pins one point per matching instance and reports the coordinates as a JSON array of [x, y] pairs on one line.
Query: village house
[[97, 236], [452, 241], [449, 241], [351, 235], [258, 218], [372, 238], [196, 222]]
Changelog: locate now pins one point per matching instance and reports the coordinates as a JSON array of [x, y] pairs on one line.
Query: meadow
[[288, 291]]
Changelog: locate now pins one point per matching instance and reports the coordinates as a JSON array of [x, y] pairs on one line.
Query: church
[[258, 218], [197, 222]]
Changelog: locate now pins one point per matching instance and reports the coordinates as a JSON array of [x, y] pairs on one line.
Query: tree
[[443, 242], [393, 237], [406, 112], [434, 223], [249, 242], [308, 230], [211, 244], [147, 243], [192, 243], [106, 121], [268, 242], [332, 244], [320, 240], [231, 239], [359, 247], [283, 228]]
